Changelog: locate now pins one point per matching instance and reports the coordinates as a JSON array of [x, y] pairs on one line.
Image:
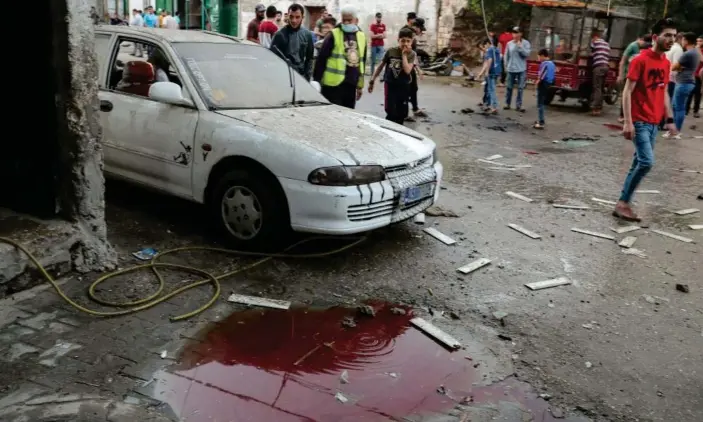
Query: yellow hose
[[156, 298]]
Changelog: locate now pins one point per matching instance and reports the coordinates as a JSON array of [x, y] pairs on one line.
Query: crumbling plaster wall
[[81, 190]]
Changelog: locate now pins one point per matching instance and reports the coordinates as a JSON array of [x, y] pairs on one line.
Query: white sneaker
[[666, 134], [677, 136]]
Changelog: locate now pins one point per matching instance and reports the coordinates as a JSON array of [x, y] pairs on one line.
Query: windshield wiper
[[290, 72], [304, 103]]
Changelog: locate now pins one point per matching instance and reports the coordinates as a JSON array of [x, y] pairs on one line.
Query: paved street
[[620, 343]]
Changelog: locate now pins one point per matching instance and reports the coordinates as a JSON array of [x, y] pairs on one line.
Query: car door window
[[137, 64], [102, 51]]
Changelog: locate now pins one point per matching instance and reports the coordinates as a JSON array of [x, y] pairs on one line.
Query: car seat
[[137, 78]]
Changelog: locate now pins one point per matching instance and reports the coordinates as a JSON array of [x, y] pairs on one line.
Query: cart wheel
[[613, 94]]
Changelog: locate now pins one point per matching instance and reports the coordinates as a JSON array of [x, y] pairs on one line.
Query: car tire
[[250, 210]]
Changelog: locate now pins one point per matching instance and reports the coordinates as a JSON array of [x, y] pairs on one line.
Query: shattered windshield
[[243, 76]]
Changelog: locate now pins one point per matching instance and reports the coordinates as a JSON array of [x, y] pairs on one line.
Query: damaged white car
[[225, 123]]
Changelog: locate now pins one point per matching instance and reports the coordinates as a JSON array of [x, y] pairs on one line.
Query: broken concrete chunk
[[627, 242], [398, 311], [682, 287], [440, 212], [366, 310]]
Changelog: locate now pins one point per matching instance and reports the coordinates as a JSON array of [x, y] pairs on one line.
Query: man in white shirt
[[137, 20], [673, 55], [170, 22]]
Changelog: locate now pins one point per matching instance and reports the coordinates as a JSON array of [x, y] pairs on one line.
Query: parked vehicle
[[443, 64], [235, 129]]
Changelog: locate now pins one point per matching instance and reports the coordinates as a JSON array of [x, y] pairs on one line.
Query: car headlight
[[347, 175]]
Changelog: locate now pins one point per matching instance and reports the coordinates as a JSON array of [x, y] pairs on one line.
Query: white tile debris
[[627, 242], [594, 234], [625, 229], [673, 236], [436, 333], [259, 301], [572, 207], [687, 211], [524, 231], [695, 226], [493, 157], [518, 196], [439, 236], [648, 191], [546, 284], [633, 251], [419, 219], [603, 201], [466, 269]]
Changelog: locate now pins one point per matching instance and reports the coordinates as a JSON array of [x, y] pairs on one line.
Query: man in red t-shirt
[[645, 102], [268, 27], [503, 40], [378, 34]]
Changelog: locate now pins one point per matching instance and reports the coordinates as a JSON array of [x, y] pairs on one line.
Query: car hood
[[351, 137]]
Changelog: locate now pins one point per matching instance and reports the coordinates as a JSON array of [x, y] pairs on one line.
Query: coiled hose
[[156, 298]]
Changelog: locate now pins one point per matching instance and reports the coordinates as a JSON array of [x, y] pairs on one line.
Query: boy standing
[[547, 74], [398, 64], [492, 68], [645, 102]]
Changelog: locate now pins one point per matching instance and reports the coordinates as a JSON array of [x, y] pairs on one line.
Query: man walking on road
[[253, 27], [632, 50], [686, 67], [645, 102], [516, 53], [600, 55], [294, 44], [378, 34], [341, 62]]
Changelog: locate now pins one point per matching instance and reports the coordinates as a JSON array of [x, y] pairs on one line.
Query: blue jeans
[[490, 97], [681, 94], [644, 138], [513, 78], [542, 91], [376, 56]]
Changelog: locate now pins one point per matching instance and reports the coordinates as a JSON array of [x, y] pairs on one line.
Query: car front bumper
[[354, 209]]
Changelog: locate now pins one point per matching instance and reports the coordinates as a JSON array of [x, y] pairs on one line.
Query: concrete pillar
[[81, 184]]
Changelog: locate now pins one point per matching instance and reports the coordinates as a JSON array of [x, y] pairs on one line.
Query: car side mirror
[[316, 85], [169, 93]]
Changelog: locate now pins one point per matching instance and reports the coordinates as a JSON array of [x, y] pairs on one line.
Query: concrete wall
[[394, 14]]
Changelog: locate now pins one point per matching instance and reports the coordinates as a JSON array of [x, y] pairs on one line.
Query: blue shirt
[[497, 65], [151, 21], [547, 71]]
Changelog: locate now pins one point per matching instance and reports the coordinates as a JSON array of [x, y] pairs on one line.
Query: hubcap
[[241, 212]]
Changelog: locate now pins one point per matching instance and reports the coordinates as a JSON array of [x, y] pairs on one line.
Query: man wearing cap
[[253, 27], [516, 53], [378, 34]]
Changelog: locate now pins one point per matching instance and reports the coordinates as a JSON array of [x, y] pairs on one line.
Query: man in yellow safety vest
[[341, 61]]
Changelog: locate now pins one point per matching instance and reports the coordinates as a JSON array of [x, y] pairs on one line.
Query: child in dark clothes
[[398, 66]]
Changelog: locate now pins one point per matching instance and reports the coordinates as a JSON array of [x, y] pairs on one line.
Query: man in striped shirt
[[600, 56]]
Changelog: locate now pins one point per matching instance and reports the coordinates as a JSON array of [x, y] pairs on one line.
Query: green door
[[162, 4], [228, 22]]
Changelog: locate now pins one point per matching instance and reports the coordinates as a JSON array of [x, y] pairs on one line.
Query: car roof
[[175, 35]]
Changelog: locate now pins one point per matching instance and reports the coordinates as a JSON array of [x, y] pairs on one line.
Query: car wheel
[[247, 206]]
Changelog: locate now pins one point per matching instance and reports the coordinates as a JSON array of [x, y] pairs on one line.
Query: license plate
[[416, 193]]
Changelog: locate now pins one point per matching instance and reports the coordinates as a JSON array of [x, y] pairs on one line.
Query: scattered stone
[[589, 365], [504, 337], [556, 412], [467, 110], [441, 390], [341, 397], [437, 211], [682, 287], [500, 315], [545, 396], [398, 311], [348, 322], [366, 310], [587, 326], [660, 394], [454, 315]]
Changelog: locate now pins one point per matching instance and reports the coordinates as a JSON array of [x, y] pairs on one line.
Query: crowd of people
[[336, 53]]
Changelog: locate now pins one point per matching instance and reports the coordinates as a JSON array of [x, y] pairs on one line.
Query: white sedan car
[[226, 123]]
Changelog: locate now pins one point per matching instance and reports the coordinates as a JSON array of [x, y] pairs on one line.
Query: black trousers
[[343, 95], [695, 98], [412, 93], [396, 98], [503, 76]]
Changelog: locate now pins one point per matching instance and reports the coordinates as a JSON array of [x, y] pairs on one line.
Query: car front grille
[[394, 171], [400, 179]]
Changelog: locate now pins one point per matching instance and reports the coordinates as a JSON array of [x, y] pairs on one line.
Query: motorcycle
[[443, 63]]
